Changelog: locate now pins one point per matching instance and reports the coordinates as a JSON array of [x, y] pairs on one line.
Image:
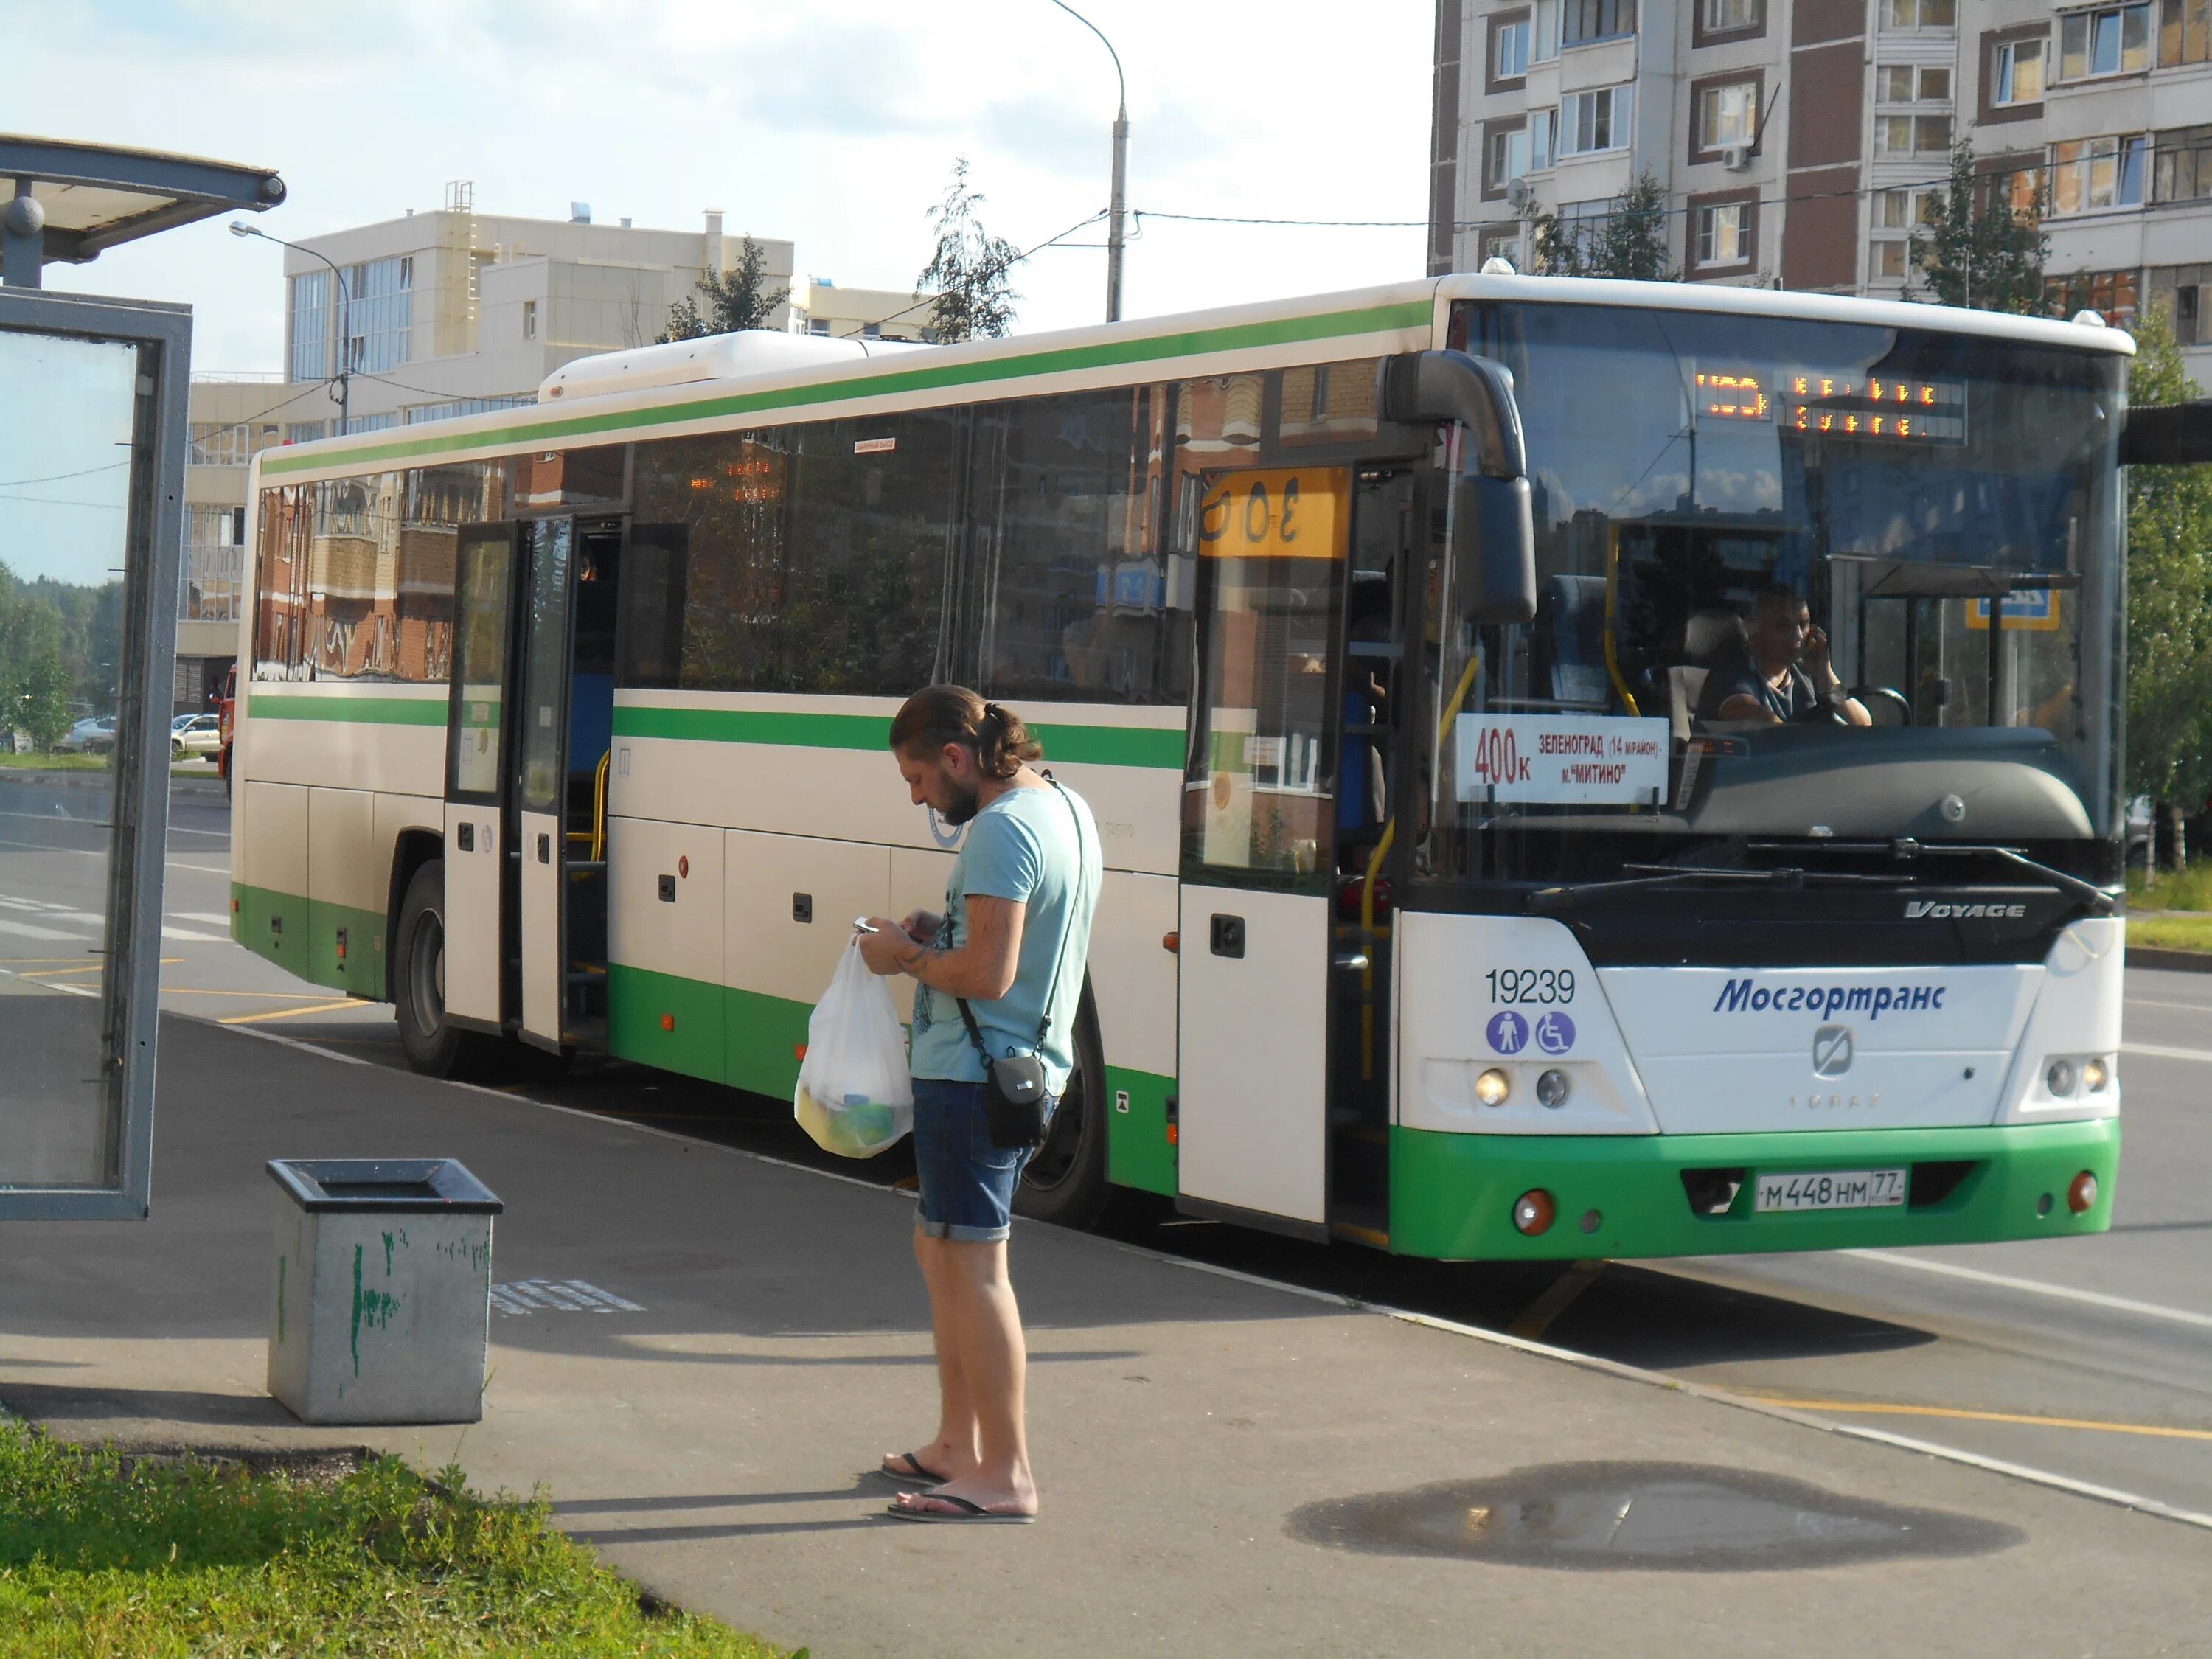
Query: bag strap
[[1075, 900]]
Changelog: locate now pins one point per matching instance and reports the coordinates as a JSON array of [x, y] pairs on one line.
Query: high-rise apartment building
[[1800, 141], [427, 316]]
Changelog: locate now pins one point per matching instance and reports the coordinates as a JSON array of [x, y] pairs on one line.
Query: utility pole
[[344, 377], [1119, 200]]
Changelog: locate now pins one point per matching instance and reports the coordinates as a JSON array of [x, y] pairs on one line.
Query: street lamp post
[[239, 227], [1114, 238]]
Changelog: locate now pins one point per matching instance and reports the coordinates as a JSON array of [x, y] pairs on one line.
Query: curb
[[2186, 961]]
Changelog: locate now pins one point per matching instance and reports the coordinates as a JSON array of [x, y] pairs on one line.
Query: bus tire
[[435, 1046], [1064, 1179]]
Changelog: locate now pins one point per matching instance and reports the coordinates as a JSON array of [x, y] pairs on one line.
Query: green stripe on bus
[[368, 711], [1090, 746], [1235, 336]]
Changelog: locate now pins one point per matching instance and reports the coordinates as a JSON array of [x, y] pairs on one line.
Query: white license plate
[[1832, 1189]]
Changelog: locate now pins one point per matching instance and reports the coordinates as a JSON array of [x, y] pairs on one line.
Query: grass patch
[[2173, 890], [54, 763], [105, 1555], [2170, 933]]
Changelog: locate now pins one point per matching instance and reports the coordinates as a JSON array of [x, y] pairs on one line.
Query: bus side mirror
[[1477, 392], [2167, 434], [1494, 549]]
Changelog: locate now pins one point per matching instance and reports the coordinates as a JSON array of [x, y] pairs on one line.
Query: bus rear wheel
[[434, 1046], [1064, 1179]]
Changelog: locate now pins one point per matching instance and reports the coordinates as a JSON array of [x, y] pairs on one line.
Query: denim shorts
[[967, 1183]]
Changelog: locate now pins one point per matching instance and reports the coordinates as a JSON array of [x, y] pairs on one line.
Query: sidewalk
[[715, 1444]]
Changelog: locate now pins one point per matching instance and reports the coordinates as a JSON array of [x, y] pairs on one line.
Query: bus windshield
[[1797, 581]]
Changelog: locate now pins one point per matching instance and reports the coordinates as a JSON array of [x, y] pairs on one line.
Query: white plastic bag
[[855, 1096]]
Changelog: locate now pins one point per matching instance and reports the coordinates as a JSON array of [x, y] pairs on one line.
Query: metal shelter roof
[[72, 202]]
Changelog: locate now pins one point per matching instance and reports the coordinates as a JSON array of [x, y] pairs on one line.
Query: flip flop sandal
[[913, 1474], [964, 1513]]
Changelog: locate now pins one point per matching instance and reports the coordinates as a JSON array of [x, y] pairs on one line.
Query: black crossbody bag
[[1014, 1092]]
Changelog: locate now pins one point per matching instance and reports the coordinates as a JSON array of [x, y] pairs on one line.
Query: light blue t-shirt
[[1022, 847]]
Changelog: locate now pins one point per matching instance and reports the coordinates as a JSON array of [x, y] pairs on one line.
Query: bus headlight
[[2095, 1074], [1552, 1088], [2059, 1078], [1492, 1086]]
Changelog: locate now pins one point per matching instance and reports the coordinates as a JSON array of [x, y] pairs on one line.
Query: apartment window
[[2090, 174], [1503, 243], [530, 319], [1906, 210], [1728, 17], [1508, 159], [1723, 235], [214, 445], [379, 315], [1727, 115], [1582, 224], [369, 423], [817, 325], [1593, 121], [303, 432], [2016, 73], [2182, 170], [1583, 20], [2184, 293], [309, 313], [2110, 40], [2184, 31], [1907, 16], [2111, 294], [1544, 31], [1912, 83], [1888, 258], [1543, 139], [1508, 57], [1911, 135]]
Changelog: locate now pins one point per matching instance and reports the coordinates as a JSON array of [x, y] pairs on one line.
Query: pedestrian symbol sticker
[[1555, 1032], [1508, 1032]]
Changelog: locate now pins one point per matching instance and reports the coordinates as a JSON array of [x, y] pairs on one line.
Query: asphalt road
[[2087, 1359]]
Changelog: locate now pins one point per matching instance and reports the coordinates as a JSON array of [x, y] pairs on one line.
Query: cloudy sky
[[833, 123]]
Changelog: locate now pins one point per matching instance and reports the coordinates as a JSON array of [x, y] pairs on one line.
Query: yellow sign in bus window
[[1279, 513]]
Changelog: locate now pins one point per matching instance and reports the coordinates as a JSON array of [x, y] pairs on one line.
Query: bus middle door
[[1259, 833]]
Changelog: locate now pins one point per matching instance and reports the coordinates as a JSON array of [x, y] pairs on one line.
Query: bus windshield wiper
[[1545, 899], [1905, 848]]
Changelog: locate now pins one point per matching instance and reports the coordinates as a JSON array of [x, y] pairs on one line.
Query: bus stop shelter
[[92, 454]]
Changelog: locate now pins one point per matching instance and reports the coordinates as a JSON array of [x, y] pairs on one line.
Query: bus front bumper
[[1452, 1196]]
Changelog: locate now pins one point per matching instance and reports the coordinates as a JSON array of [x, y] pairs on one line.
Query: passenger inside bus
[[1781, 674]]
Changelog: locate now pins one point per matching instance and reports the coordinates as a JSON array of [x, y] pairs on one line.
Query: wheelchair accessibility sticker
[[1555, 1032]]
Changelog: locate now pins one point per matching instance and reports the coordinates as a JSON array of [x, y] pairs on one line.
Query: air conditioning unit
[[1520, 195], [1735, 157]]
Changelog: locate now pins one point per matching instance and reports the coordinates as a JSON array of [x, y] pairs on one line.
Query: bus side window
[[649, 646]]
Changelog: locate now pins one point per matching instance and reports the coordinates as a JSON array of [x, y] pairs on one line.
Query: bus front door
[[1259, 848], [478, 742]]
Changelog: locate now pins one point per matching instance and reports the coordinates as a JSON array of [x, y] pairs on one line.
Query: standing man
[[999, 973]]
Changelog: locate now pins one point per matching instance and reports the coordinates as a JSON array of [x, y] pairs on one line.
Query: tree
[[737, 298], [1983, 248], [2169, 605], [1629, 242], [968, 272], [34, 680]]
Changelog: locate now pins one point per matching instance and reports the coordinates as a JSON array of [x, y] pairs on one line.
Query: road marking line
[[56, 973], [2036, 1286], [9, 965], [168, 931], [1890, 1409], [1558, 1296], [259, 996], [215, 920], [290, 1013], [2153, 1002], [2156, 1052], [289, 1042], [27, 929]]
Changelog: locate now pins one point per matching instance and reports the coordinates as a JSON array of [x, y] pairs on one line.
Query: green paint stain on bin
[[371, 1308]]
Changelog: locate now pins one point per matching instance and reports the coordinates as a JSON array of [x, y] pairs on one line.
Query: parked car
[[195, 734], [92, 736]]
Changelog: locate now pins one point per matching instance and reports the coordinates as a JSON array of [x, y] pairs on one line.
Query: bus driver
[[1788, 677]]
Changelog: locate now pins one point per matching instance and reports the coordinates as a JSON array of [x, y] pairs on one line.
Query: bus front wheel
[[1064, 1179], [434, 1046]]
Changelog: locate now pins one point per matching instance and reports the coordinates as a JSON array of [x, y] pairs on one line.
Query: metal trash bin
[[383, 1290]]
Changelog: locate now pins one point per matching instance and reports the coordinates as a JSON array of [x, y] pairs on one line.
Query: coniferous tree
[[737, 298], [1629, 242], [968, 270]]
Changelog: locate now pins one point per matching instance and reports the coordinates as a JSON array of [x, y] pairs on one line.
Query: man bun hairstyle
[[995, 735]]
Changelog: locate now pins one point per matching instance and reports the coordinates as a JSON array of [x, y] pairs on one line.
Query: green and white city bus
[[1380, 631]]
